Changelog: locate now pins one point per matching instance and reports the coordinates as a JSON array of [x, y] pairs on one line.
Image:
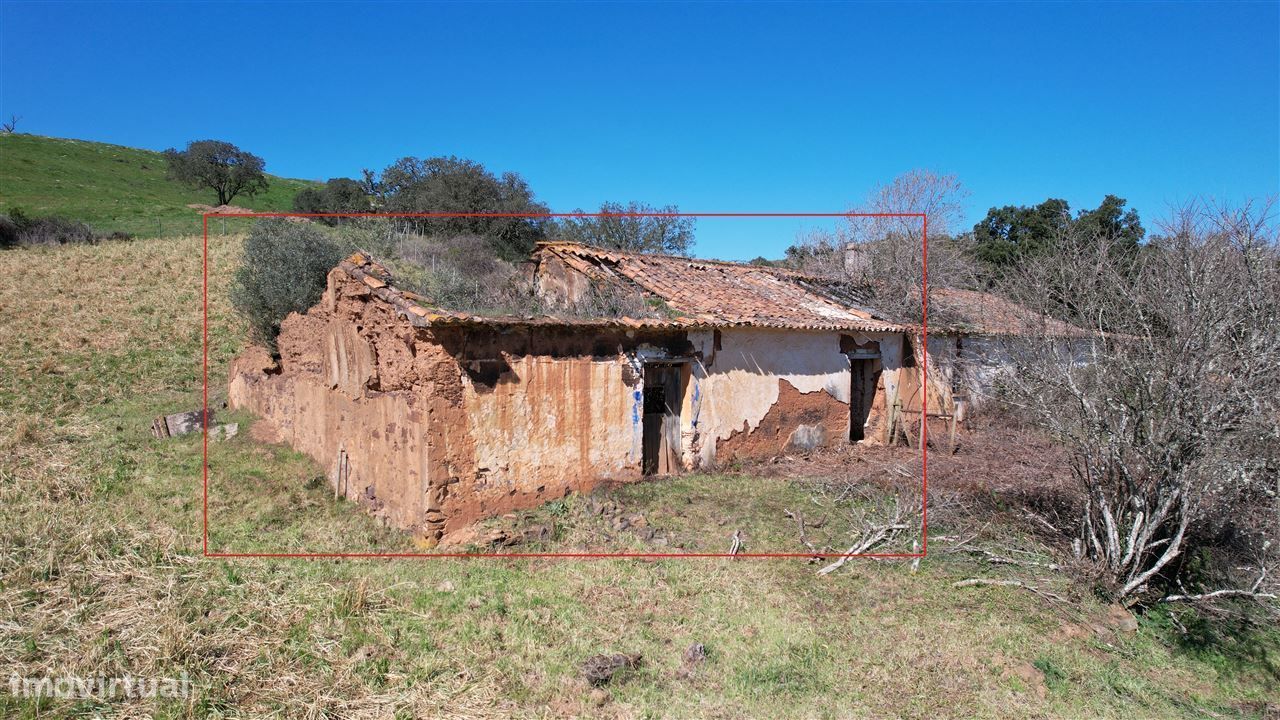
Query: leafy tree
[[634, 227], [1112, 222], [456, 185], [219, 166], [1009, 233], [339, 195], [284, 270]]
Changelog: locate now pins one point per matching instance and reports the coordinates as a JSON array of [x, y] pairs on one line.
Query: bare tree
[[634, 227], [886, 254], [8, 128], [1170, 404]]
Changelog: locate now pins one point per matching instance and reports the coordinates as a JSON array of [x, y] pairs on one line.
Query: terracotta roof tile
[[730, 294], [712, 294]]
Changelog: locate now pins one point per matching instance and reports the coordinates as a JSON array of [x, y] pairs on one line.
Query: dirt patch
[[1030, 676], [234, 210], [264, 431], [995, 464]]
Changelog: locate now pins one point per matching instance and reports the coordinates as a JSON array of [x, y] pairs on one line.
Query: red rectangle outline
[[924, 397]]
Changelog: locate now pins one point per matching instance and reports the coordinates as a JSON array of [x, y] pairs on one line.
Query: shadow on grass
[[1238, 638]]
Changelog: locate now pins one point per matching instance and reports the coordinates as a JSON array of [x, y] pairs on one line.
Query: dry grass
[[101, 570]]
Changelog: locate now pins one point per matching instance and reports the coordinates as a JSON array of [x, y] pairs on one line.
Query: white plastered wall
[[736, 386]]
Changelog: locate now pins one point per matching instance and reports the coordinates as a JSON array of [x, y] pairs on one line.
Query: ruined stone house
[[434, 419]]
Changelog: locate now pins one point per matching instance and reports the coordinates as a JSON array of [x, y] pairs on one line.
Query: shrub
[[17, 228], [461, 273], [284, 269], [56, 231], [8, 232], [1170, 409]]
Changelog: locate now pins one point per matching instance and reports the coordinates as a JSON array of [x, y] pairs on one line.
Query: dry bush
[[19, 229], [1171, 411]]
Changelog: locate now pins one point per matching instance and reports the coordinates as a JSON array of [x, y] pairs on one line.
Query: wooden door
[[661, 432]]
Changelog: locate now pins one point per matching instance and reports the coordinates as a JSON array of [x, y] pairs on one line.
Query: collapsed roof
[[724, 294]]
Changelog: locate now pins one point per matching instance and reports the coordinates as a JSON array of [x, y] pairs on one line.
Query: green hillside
[[111, 187]]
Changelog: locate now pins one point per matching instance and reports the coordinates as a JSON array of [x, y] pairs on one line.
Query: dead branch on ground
[[975, 582], [804, 539], [876, 531]]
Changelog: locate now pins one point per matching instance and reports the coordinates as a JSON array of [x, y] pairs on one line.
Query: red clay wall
[[433, 430]]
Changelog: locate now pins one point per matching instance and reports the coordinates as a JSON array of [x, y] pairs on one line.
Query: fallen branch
[[804, 539], [1220, 594], [1040, 519], [995, 559], [1251, 593], [875, 537], [973, 582]]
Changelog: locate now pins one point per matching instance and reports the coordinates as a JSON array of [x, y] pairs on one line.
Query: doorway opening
[[661, 431], [864, 378]]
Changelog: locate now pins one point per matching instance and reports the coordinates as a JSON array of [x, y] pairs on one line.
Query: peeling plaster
[[741, 386]]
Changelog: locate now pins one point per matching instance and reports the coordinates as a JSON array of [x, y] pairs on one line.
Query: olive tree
[[283, 270]]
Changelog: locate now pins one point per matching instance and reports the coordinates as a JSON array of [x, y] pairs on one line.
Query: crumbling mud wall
[[434, 428], [941, 374], [546, 410], [341, 394], [546, 426], [796, 422]]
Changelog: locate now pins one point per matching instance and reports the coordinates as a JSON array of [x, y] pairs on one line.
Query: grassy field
[[101, 571], [113, 188]]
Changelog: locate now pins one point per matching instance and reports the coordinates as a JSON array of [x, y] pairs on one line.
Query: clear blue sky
[[714, 107]]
